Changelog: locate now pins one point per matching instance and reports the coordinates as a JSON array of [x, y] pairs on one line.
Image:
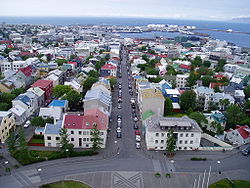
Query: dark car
[[246, 151], [131, 93], [119, 100], [133, 114], [119, 117], [119, 135], [129, 86], [133, 106], [135, 126]]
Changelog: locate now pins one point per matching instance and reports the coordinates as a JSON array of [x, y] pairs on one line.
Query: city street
[[120, 164]]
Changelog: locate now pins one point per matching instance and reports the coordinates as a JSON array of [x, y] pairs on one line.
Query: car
[[246, 151], [131, 93], [138, 138], [137, 132], [135, 119], [129, 86], [119, 117], [120, 83], [137, 145], [120, 86], [132, 101], [119, 124], [26, 126], [119, 134], [28, 122], [129, 78], [133, 106], [133, 114], [135, 126], [120, 95], [118, 129], [119, 106], [119, 100], [133, 110]]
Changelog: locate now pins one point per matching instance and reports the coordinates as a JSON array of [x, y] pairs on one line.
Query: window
[[161, 147], [49, 144], [180, 141], [87, 139], [156, 141], [186, 134], [71, 132], [101, 133], [48, 137], [87, 145], [156, 134], [181, 135], [79, 132], [179, 148], [186, 141], [185, 148], [72, 139], [191, 141], [162, 134], [192, 135], [57, 138], [84, 139], [162, 141]]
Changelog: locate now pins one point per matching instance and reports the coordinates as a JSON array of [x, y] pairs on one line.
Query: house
[[63, 104], [40, 94], [52, 134], [46, 86], [102, 84], [240, 135], [53, 112], [30, 74], [204, 97], [229, 90], [172, 94], [213, 85], [97, 98], [75, 85], [19, 114], [218, 97], [151, 99], [239, 96], [236, 83], [219, 121], [79, 127], [108, 70], [184, 68], [181, 80], [7, 125], [186, 131], [171, 79]]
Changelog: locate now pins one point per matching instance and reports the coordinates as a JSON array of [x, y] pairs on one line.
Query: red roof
[[27, 71], [115, 58], [73, 63], [219, 76], [5, 42], [10, 46], [213, 84], [108, 66], [244, 131], [184, 66], [91, 117], [42, 83]]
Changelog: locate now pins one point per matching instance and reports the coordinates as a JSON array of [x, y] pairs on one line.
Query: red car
[[137, 132]]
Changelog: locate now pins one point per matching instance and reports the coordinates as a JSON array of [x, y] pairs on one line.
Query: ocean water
[[236, 38]]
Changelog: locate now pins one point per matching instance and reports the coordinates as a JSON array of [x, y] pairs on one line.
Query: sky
[[175, 9]]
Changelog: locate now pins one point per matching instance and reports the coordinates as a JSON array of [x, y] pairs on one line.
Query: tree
[[224, 103], [193, 77], [206, 80], [60, 90], [22, 145], [72, 56], [171, 142], [142, 67], [171, 70], [207, 64], [145, 58], [155, 80], [73, 98], [247, 92], [89, 82], [217, 89], [198, 117], [152, 63], [18, 91], [60, 62], [220, 65], [234, 115], [96, 138], [65, 146], [168, 106], [247, 105], [11, 143], [151, 71], [188, 100], [112, 82], [40, 122], [93, 73], [4, 106], [196, 62]]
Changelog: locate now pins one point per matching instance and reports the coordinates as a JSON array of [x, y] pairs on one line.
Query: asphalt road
[[123, 156]]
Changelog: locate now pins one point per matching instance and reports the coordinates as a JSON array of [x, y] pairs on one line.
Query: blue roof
[[24, 98], [53, 129], [219, 117], [60, 103]]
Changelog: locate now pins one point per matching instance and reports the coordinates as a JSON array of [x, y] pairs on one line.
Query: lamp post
[[67, 152], [172, 162], [218, 162]]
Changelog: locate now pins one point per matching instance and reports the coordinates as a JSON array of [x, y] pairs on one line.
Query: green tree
[[89, 82], [217, 89], [193, 77], [220, 65], [234, 115], [112, 82], [247, 92], [73, 98], [107, 57], [151, 71], [198, 117], [171, 70], [60, 62], [40, 122], [72, 56], [11, 143], [93, 73], [206, 63], [145, 58], [168, 106], [4, 106], [224, 103], [18, 91], [171, 142], [22, 145], [142, 67], [196, 62], [65, 146], [152, 63], [60, 90], [155, 80], [96, 138], [188, 100], [247, 105], [206, 80]]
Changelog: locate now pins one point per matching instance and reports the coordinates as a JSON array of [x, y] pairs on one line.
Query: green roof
[[147, 114]]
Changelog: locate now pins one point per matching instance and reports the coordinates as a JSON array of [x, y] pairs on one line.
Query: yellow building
[[7, 121]]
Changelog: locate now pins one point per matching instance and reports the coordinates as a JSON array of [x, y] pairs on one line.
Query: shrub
[[38, 136], [168, 175], [157, 174], [7, 169], [198, 159], [16, 166]]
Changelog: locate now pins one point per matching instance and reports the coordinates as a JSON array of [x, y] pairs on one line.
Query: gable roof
[[27, 71], [244, 131], [42, 83], [108, 67]]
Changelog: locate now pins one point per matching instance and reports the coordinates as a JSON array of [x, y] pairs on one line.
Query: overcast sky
[[178, 9]]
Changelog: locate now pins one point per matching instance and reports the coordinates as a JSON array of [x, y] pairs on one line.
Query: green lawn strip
[[36, 141], [225, 183], [38, 156], [66, 184]]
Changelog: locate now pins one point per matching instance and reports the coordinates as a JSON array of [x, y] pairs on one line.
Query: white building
[[240, 135], [181, 80], [186, 131], [204, 97]]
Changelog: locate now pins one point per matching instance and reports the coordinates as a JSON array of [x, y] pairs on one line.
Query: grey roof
[[53, 129], [229, 89], [155, 123], [97, 94]]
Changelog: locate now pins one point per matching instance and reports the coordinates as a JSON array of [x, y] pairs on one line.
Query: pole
[[208, 176], [198, 184], [204, 178]]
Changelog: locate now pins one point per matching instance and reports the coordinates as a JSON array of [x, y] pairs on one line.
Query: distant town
[[83, 90]]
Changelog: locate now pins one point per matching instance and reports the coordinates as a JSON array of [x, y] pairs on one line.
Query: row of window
[[181, 134], [180, 148], [186, 142], [85, 132], [73, 139]]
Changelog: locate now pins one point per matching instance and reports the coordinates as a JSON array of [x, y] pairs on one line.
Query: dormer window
[[87, 123]]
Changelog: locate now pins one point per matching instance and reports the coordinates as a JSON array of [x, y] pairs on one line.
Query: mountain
[[242, 19]]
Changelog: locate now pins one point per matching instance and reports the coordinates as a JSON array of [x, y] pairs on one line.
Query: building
[[204, 97], [240, 135], [63, 104], [181, 80], [52, 134], [46, 86], [236, 83], [39, 93], [172, 94], [7, 125], [108, 70], [151, 99], [54, 112], [219, 121], [19, 114], [75, 85], [186, 131]]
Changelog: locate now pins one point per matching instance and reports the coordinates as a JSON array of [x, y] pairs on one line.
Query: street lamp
[[39, 170], [67, 152], [172, 161], [218, 162]]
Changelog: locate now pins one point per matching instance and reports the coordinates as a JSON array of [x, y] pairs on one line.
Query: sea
[[239, 39]]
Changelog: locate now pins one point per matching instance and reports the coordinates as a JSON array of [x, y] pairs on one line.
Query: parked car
[[120, 95], [120, 86], [119, 135], [135, 119], [138, 138], [137, 132], [133, 114], [137, 145], [135, 126], [119, 106], [119, 100], [129, 86], [246, 151], [25, 125], [131, 93], [118, 129]]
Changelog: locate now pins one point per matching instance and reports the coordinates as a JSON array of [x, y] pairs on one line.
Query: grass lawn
[[36, 141], [225, 183], [66, 184], [176, 115]]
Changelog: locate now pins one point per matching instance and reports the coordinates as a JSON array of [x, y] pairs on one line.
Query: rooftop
[[53, 129], [42, 83], [151, 93], [60, 103]]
